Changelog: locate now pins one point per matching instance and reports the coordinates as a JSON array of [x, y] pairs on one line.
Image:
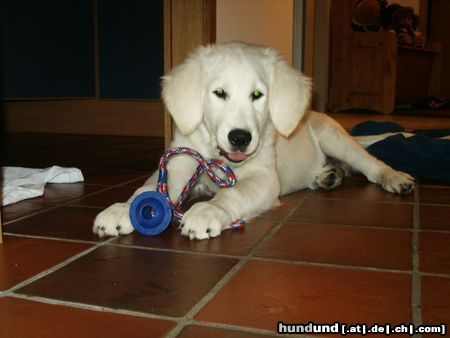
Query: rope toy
[[151, 212]]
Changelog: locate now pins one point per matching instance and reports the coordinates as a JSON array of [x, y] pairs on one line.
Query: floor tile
[[378, 248], [435, 301], [287, 203], [194, 331], [106, 198], [435, 195], [363, 191], [62, 222], [24, 318], [230, 242], [163, 283], [263, 293], [138, 183], [22, 209], [109, 177], [53, 194], [355, 212], [22, 258], [63, 192], [435, 217], [434, 252]]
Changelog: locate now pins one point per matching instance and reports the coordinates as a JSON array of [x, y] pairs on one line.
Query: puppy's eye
[[219, 92], [256, 94]]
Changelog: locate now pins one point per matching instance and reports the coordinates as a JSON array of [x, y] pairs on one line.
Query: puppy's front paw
[[113, 221], [397, 182], [204, 220]]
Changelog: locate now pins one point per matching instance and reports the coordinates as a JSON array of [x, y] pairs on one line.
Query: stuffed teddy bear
[[403, 22], [368, 16]]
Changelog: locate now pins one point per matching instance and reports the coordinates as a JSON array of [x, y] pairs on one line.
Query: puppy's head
[[235, 90]]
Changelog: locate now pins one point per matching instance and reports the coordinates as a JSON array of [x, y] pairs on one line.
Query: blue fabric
[[376, 128], [421, 156]]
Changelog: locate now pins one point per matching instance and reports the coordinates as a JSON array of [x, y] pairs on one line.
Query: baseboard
[[86, 116]]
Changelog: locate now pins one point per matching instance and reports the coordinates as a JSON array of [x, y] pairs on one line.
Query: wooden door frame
[[187, 25]]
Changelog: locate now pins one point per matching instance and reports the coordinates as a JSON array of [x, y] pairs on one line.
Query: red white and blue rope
[[204, 166]]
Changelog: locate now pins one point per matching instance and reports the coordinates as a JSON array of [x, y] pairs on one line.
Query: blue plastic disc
[[150, 213]]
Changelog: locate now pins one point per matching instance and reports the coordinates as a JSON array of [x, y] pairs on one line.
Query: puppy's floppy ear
[[183, 92], [290, 93]]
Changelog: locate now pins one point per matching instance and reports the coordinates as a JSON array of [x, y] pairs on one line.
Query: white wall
[[264, 22]]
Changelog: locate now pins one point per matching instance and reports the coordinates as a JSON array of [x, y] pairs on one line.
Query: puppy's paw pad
[[113, 221]]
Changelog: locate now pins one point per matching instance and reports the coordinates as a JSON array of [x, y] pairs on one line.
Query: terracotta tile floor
[[353, 255]]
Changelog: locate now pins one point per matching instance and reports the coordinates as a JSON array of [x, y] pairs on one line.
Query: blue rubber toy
[[150, 213]]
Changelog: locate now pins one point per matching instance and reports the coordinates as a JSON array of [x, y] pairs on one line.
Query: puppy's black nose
[[239, 138]]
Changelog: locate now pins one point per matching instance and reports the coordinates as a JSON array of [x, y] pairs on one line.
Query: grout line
[[351, 225], [40, 211], [133, 180], [436, 231], [243, 329], [54, 268], [284, 261], [367, 200], [53, 206], [443, 186], [91, 307], [332, 265], [180, 251], [188, 318], [280, 260], [58, 239], [71, 201], [275, 229], [416, 286], [434, 274], [437, 204], [70, 205]]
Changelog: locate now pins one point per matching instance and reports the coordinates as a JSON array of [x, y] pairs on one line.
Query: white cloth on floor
[[23, 183]]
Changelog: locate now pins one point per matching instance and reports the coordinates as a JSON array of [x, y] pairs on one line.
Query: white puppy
[[245, 105]]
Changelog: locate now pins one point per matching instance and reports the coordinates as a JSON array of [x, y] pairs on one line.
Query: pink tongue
[[237, 157]]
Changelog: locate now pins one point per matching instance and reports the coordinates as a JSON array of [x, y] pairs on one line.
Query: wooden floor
[[348, 120]]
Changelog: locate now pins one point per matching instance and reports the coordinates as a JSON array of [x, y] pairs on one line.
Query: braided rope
[[204, 166]]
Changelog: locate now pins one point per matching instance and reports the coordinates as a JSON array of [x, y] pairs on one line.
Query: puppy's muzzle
[[239, 140]]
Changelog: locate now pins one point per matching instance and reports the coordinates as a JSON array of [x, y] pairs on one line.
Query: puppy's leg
[[330, 176], [367, 141], [115, 220], [337, 143], [254, 192]]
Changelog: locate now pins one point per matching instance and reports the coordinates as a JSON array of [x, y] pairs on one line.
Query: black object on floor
[[423, 155]]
